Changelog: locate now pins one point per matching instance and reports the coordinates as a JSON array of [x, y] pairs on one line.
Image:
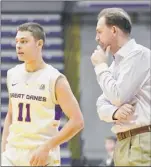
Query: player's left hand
[[100, 56], [40, 156]]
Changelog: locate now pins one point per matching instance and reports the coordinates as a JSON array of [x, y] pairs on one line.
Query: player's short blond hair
[[35, 28]]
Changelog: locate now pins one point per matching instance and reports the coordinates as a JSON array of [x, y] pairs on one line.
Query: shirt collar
[[126, 48]]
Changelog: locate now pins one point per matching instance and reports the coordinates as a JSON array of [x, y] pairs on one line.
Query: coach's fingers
[[129, 106], [98, 47], [128, 113], [100, 50], [128, 110], [96, 51], [123, 116], [125, 113]]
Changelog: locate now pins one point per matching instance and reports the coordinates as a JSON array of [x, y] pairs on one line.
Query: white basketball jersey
[[32, 95]]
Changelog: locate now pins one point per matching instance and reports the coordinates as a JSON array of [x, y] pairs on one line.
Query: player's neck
[[35, 65]]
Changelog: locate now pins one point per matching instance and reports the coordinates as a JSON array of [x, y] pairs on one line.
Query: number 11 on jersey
[[20, 116]]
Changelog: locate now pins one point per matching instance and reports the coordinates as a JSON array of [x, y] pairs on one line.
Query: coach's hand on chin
[[100, 56], [40, 156]]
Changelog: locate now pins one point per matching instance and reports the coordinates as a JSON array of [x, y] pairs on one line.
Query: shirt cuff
[[106, 113], [101, 68], [111, 112]]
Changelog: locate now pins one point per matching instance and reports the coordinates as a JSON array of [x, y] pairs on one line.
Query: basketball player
[[30, 135]]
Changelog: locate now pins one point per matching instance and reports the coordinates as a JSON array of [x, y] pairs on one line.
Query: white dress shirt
[[127, 79]]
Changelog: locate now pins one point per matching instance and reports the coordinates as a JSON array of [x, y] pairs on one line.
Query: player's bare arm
[[75, 124], [70, 107], [7, 123]]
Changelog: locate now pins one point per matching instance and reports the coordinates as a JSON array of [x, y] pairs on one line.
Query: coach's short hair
[[35, 28], [117, 17]]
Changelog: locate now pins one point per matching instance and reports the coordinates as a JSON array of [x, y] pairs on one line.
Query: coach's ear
[[40, 43]]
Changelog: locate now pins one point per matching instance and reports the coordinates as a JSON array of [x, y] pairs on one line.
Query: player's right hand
[[124, 112], [40, 156]]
